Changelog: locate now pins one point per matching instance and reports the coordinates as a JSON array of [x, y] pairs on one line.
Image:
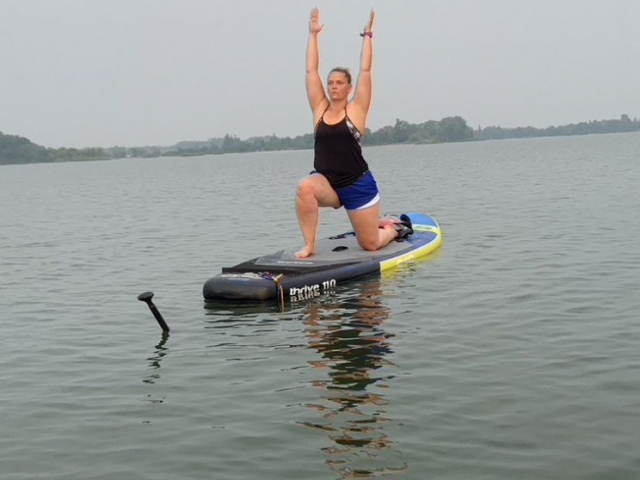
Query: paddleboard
[[337, 259]]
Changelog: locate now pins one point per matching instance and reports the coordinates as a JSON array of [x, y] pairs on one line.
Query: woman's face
[[338, 86]]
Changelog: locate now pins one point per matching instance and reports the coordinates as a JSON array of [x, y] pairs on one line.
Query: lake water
[[510, 353]]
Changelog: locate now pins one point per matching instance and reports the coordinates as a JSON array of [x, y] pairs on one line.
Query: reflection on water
[[340, 338], [230, 310], [349, 337], [154, 361]]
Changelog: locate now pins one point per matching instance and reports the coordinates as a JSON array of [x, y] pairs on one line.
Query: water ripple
[[511, 353]]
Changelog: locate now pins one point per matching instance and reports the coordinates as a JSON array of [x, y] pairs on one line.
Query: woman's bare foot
[[390, 226], [387, 221], [305, 252]]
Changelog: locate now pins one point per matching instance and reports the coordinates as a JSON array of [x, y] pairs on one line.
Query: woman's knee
[[306, 188], [369, 244]]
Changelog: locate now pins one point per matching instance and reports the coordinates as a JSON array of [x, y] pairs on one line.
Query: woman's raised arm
[[362, 97], [315, 90]]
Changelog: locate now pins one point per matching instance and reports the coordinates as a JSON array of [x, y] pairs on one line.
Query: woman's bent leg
[[314, 192], [368, 232]]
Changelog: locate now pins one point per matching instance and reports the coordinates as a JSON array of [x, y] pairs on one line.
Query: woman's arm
[[362, 97], [315, 90]]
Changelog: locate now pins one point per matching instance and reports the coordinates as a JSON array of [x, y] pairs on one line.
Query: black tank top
[[338, 154]]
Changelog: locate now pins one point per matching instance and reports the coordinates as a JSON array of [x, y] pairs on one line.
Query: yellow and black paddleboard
[[337, 259]]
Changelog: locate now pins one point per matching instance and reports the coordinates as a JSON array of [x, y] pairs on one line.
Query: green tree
[[16, 149]]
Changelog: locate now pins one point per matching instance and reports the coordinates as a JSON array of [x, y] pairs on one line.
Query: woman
[[341, 175]]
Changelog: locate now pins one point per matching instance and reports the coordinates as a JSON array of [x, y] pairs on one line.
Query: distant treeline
[[624, 124], [450, 129], [15, 149]]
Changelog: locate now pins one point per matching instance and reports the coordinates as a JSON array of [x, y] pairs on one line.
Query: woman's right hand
[[314, 21]]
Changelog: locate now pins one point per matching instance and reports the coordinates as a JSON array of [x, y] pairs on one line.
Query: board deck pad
[[337, 259]]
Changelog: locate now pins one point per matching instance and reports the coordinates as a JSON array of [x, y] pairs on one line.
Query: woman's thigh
[[366, 222], [317, 185]]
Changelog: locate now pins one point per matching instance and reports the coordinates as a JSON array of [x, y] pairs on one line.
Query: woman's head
[[339, 84]]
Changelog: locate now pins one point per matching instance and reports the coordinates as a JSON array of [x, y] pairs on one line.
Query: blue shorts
[[360, 195]]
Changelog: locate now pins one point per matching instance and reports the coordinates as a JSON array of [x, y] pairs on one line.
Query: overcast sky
[[82, 73]]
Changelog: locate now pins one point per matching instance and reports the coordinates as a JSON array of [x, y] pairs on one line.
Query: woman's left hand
[[369, 25]]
